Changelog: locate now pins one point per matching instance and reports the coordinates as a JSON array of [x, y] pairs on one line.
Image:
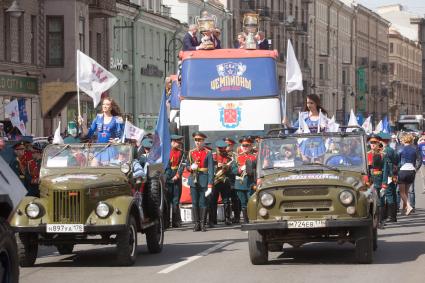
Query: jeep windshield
[[86, 155], [312, 152]]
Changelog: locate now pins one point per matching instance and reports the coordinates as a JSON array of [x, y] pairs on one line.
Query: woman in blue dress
[[312, 148], [108, 125]]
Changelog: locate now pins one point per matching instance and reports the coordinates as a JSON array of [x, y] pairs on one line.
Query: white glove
[[194, 166], [243, 168], [208, 192], [382, 193]]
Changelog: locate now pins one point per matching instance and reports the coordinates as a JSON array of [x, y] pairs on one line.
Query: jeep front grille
[[68, 206], [303, 191], [305, 206]]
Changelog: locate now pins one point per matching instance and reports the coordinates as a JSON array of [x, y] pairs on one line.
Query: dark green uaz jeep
[[91, 190], [312, 188]]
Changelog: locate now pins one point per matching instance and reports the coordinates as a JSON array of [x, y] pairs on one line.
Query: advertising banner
[[230, 115]]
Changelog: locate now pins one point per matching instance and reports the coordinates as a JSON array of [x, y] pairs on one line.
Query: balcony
[[103, 8], [301, 27], [247, 6]]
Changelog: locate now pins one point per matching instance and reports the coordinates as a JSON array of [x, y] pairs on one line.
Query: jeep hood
[[82, 181]]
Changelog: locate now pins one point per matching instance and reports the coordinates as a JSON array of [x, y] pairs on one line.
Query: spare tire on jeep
[[153, 195]]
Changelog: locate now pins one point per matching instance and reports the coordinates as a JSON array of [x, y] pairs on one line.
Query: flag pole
[[125, 127], [78, 85]]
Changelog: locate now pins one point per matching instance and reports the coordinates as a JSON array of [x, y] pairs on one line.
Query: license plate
[[306, 224], [64, 228]]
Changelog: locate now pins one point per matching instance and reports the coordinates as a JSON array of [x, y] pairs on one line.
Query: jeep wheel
[[27, 248], [258, 252], [364, 245], [65, 249], [153, 197], [9, 265], [155, 237], [127, 244], [375, 232]]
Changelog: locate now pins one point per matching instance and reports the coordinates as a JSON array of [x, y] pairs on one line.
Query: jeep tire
[[9, 263], [65, 249], [153, 197], [27, 248], [127, 244], [364, 245], [258, 251], [155, 236]]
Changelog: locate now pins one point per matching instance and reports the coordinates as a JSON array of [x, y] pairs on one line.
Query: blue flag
[[22, 110], [174, 97], [386, 126], [161, 142]]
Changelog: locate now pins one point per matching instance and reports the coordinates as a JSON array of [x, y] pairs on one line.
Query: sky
[[414, 6]]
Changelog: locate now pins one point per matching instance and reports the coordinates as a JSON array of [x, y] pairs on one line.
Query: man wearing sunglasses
[[201, 168], [244, 178]]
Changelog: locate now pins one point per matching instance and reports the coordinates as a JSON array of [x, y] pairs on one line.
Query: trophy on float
[[250, 25], [206, 23]]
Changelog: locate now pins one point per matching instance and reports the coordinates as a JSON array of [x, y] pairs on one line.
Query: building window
[[6, 33], [290, 9], [321, 72], [33, 39], [98, 47], [55, 41], [150, 5], [391, 47], [21, 44], [81, 32], [344, 77]]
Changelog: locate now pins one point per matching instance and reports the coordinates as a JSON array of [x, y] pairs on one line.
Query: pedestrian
[[243, 169], [262, 42], [241, 40], [201, 170], [222, 168], [18, 163], [408, 158], [190, 40], [108, 125], [33, 171], [421, 147], [173, 174]]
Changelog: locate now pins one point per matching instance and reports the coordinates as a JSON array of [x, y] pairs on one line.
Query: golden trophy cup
[[250, 25], [206, 24]]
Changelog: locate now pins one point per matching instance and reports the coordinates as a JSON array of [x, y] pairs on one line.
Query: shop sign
[[16, 84]]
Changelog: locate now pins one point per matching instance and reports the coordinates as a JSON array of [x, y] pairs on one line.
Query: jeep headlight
[[267, 199], [103, 209], [346, 197], [33, 210], [125, 168]]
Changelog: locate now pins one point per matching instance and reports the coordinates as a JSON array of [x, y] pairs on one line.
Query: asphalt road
[[221, 255]]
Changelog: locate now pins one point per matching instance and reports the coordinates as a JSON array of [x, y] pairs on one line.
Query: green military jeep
[[89, 195], [312, 188]]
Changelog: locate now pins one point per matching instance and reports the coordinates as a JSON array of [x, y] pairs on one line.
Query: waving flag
[[161, 146], [386, 128], [92, 78], [57, 138], [367, 125], [352, 121], [379, 128], [294, 77], [22, 110], [133, 132], [12, 110]]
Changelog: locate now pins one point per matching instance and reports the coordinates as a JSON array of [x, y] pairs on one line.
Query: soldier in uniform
[[236, 204], [244, 178], [375, 158], [33, 171], [173, 174], [19, 163], [201, 168], [222, 164]]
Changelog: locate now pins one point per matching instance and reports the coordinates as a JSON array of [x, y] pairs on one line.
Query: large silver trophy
[[206, 24], [250, 24]]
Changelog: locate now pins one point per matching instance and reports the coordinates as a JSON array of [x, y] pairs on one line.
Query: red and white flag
[[132, 132], [12, 110], [92, 78]]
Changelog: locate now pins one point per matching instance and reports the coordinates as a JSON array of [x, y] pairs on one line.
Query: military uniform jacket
[[224, 159], [173, 167], [205, 169], [378, 169], [390, 161], [243, 183], [18, 166]]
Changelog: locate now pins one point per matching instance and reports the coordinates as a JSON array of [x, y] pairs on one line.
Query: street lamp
[[176, 45], [15, 10]]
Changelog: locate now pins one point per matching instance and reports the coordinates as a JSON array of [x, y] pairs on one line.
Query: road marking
[[195, 257]]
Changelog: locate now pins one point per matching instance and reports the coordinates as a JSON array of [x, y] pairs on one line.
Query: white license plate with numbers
[[300, 224], [64, 228]]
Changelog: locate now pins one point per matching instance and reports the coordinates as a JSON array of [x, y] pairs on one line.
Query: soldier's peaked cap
[[384, 136], [245, 140], [176, 137], [229, 140], [374, 138], [199, 134], [19, 144], [147, 143], [220, 143]]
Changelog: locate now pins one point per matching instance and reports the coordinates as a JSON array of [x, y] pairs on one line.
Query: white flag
[[352, 121], [92, 78], [133, 132], [367, 125], [332, 125], [294, 77], [323, 121], [302, 125], [12, 110], [57, 138], [379, 128]]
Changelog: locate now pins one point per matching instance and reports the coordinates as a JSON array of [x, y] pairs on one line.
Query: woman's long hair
[[316, 99], [115, 109]]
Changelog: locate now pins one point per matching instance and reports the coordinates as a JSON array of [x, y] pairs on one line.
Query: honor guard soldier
[[236, 204], [173, 174], [378, 174], [33, 171], [391, 168], [201, 168], [222, 164], [19, 163], [243, 169]]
